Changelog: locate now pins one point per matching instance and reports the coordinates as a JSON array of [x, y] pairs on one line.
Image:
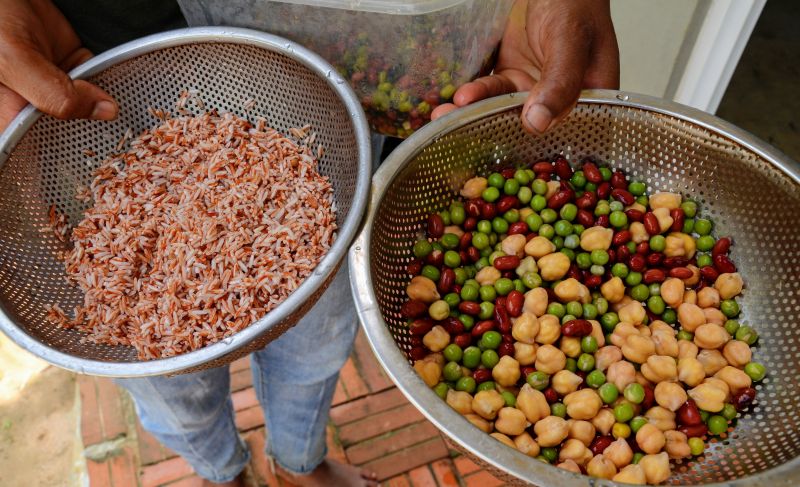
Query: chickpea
[[708, 397], [719, 384], [572, 290], [460, 401], [597, 333], [659, 326], [670, 395], [710, 336], [708, 297], [604, 421], [474, 187], [619, 452], [672, 292], [581, 430], [437, 339], [631, 474], [514, 245], [552, 188], [643, 330], [650, 439], [729, 285], [666, 343], [535, 301], [524, 354], [606, 356], [689, 245], [638, 348], [656, 467], [674, 246], [550, 431], [715, 316], [735, 378], [636, 206], [664, 218], [613, 290], [565, 382], [576, 451], [621, 374], [549, 329], [583, 404], [638, 233], [487, 403], [455, 230], [690, 316], [487, 276], [601, 467], [550, 360], [641, 379], [532, 403], [737, 353], [659, 368], [669, 201], [570, 466], [525, 328], [538, 247], [571, 346], [506, 372], [526, 265], [690, 371], [687, 349], [596, 238], [422, 289], [553, 266], [713, 361], [633, 313], [510, 421], [690, 296], [524, 213], [621, 333], [661, 418], [430, 372], [677, 445], [479, 422], [504, 439], [526, 444]]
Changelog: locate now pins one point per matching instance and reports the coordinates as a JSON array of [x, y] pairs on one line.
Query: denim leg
[[193, 415], [295, 378]]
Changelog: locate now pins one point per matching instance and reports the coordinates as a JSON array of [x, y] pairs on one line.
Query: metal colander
[[749, 189], [43, 160]]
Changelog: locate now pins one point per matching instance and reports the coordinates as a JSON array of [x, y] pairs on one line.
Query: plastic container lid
[[402, 7]]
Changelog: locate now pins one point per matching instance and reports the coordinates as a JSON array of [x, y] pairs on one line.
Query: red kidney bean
[[435, 258], [654, 259], [744, 398], [550, 394], [507, 338], [544, 176], [488, 210], [642, 248], [447, 279], [416, 341], [649, 398], [694, 431], [420, 326], [592, 281], [623, 195], [592, 173], [689, 414], [602, 221], [621, 237], [470, 223], [435, 226], [724, 264], [612, 255], [575, 272], [721, 247], [456, 289], [586, 201], [465, 241], [530, 236], [603, 190], [560, 199], [414, 309], [463, 255], [543, 167], [618, 180], [651, 316], [474, 254], [505, 348], [414, 267], [508, 172], [525, 370], [482, 327], [506, 203], [600, 443], [463, 340], [417, 353], [563, 169], [508, 274], [623, 253], [709, 273], [677, 219], [518, 228], [651, 224], [469, 308], [506, 262], [514, 303], [473, 207], [482, 375], [501, 316], [454, 326], [671, 262], [634, 215], [637, 262], [653, 275], [576, 328], [585, 218], [680, 272]]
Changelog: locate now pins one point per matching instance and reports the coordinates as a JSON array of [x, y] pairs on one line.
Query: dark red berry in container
[[744, 398], [585, 218], [414, 267], [721, 246], [689, 414], [678, 219], [600, 443], [482, 375], [724, 264], [576, 328], [543, 167], [592, 173], [634, 215], [473, 207], [618, 180], [603, 190], [563, 169], [414, 309], [637, 262], [551, 395], [435, 226]]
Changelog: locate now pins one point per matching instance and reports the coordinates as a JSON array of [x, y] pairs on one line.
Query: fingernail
[[539, 117], [104, 110]]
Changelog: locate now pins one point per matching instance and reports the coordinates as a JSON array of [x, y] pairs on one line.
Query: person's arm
[[552, 48], [37, 48]]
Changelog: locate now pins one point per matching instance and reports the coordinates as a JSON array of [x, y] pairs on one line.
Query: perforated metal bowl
[[750, 190], [42, 161]]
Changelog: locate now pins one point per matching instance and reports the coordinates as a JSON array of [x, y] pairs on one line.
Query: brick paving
[[371, 424]]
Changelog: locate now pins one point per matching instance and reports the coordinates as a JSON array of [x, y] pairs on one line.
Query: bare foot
[[330, 473]]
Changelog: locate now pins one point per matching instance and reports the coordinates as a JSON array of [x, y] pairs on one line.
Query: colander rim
[[395, 363], [338, 251]]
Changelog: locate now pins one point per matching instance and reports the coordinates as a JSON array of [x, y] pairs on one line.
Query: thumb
[[49, 89]]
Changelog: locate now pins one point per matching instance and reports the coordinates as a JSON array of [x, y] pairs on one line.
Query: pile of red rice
[[202, 227]]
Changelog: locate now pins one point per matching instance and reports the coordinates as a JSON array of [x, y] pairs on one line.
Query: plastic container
[[402, 57]]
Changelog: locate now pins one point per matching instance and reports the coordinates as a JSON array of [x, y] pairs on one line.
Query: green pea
[[467, 320], [487, 310], [595, 379], [452, 259], [637, 457], [496, 180], [453, 353], [631, 246], [571, 365], [728, 412], [567, 318], [490, 194], [499, 225], [590, 187], [441, 390], [689, 208], [589, 344], [519, 285], [633, 278], [602, 305], [445, 217], [452, 371], [696, 446], [670, 316], [590, 311], [450, 241], [705, 243], [685, 335], [616, 206], [558, 409], [717, 425], [558, 241], [522, 177], [422, 249], [704, 415], [658, 243], [509, 398], [623, 412], [572, 241], [486, 386], [599, 257], [539, 187], [637, 422], [556, 309], [704, 260], [703, 226], [618, 219], [608, 392], [574, 308], [547, 231], [609, 321], [731, 326], [583, 260], [431, 272], [550, 454], [488, 293], [655, 289], [585, 362], [531, 280], [656, 304], [568, 212], [490, 340], [452, 300], [602, 208], [469, 293], [466, 384], [458, 215], [640, 292], [643, 200], [755, 370], [511, 187], [597, 270], [471, 357], [485, 227], [619, 270], [461, 275], [578, 229], [634, 392], [746, 334], [578, 179], [503, 286], [534, 222], [549, 215], [637, 188], [688, 226], [525, 194], [538, 380], [729, 308], [563, 228], [606, 173], [489, 358]]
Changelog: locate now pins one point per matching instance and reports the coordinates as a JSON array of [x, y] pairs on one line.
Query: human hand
[[37, 47], [552, 48]]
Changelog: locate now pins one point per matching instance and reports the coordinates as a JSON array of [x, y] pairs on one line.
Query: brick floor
[[371, 425]]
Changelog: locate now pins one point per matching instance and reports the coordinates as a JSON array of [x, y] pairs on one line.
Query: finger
[[50, 90], [10, 105], [482, 88], [78, 57], [603, 69], [442, 110]]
